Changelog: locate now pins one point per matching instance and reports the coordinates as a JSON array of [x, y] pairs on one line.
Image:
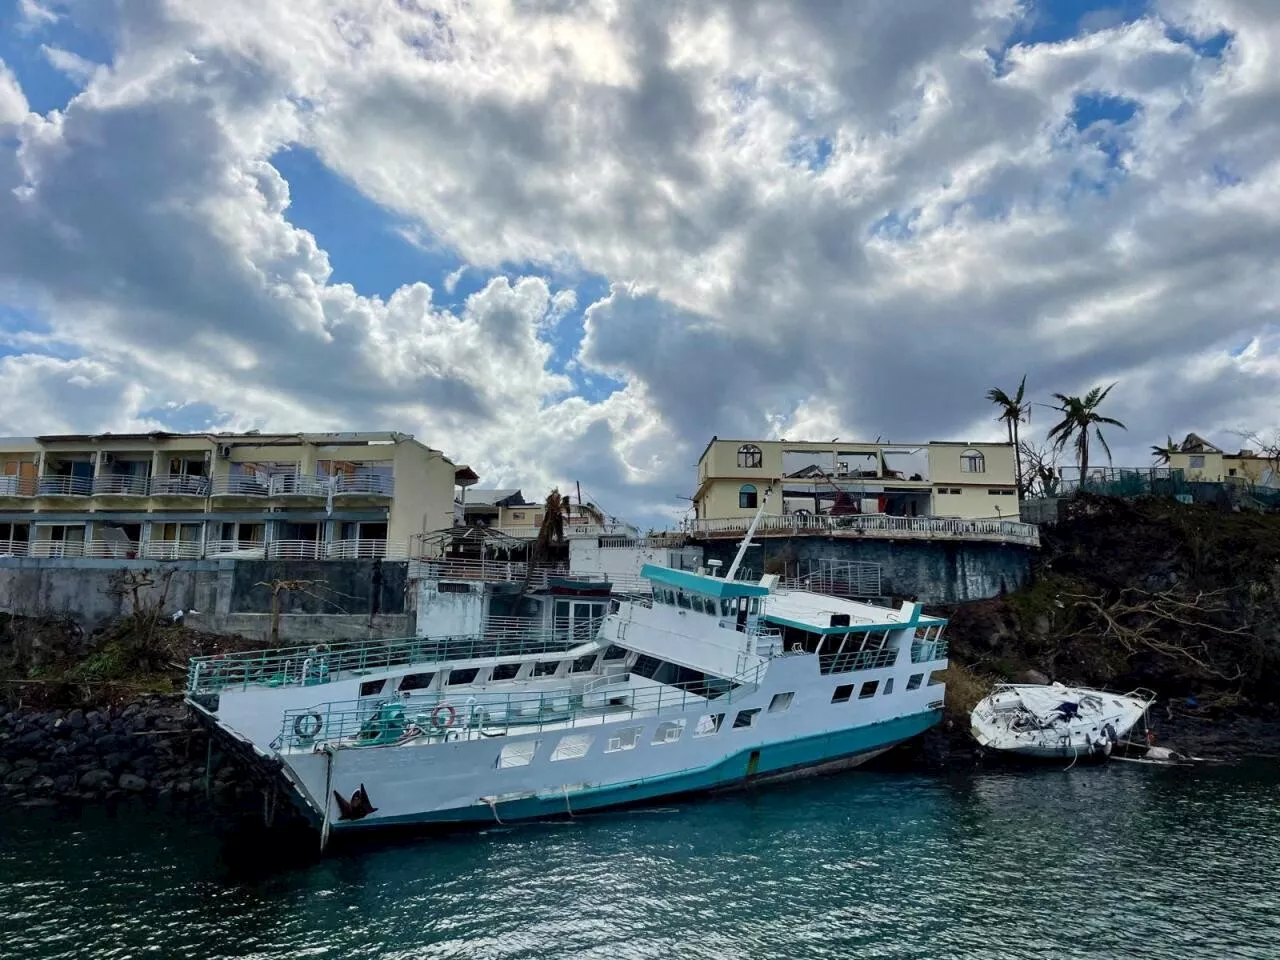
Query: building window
[[972, 461], [1197, 463], [943, 491], [708, 725], [747, 497], [1231, 472], [956, 491], [749, 455]]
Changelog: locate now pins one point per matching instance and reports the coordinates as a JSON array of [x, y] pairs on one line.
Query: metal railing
[[368, 484], [240, 485], [530, 531], [926, 651], [179, 485], [875, 524], [308, 666], [13, 548], [370, 723], [366, 549], [244, 549], [126, 485], [291, 485], [64, 486], [172, 550], [17, 486], [90, 549]]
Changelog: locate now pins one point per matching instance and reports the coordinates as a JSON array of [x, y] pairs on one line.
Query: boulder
[[40, 784], [96, 779], [76, 720], [22, 762], [115, 760], [19, 776], [64, 784], [131, 783]]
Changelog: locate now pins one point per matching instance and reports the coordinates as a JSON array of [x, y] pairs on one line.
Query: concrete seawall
[[937, 571]]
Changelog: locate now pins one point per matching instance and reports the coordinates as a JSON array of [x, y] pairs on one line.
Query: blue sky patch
[[187, 417], [1212, 46], [1090, 108], [45, 86], [811, 152]]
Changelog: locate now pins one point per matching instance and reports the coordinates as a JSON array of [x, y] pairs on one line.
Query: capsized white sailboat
[[1053, 721]]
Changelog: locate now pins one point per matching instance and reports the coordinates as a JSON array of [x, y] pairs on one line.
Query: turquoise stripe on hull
[[774, 759]]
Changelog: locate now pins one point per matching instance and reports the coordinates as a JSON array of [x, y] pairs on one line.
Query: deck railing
[[179, 485], [366, 484], [64, 486], [308, 666], [874, 525], [121, 485], [172, 550], [382, 722]]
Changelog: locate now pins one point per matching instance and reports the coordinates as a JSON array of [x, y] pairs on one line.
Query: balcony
[[172, 550], [13, 548], [64, 486], [295, 486], [119, 485], [179, 485], [363, 484], [571, 530], [91, 549], [235, 549], [365, 549], [17, 486], [240, 485]]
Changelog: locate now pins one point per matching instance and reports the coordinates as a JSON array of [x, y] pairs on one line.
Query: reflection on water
[[1102, 862]]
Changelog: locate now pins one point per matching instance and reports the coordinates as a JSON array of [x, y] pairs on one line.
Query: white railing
[[179, 485], [238, 549], [369, 484], [172, 550], [65, 486], [13, 548], [17, 486], [295, 550], [285, 485], [366, 549], [571, 530], [125, 485], [876, 525], [93, 549]]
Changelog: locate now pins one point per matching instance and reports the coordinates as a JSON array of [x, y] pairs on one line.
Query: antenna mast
[[746, 541]]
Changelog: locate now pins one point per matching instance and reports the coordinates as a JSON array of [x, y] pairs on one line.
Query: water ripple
[[1105, 862]]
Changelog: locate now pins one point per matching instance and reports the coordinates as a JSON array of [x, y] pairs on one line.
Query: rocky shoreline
[[150, 747]]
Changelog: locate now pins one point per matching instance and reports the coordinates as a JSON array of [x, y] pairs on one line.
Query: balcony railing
[[285, 485], [530, 532], [240, 485], [17, 486], [91, 549], [366, 549], [119, 485], [367, 484], [875, 525], [172, 550], [65, 486], [235, 549], [13, 548], [179, 485]]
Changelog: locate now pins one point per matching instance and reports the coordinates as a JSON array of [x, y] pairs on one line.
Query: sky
[[571, 240]]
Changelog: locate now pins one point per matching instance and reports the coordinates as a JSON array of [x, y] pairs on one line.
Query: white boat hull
[[1022, 720]]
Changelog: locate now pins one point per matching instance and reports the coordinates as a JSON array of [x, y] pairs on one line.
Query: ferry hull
[[764, 764]]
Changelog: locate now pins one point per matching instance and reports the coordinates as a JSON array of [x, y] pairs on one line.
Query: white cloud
[[33, 15], [13, 103], [73, 65], [815, 218]]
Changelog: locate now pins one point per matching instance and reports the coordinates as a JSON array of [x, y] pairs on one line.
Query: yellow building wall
[[946, 464], [975, 503], [424, 485], [1211, 470]]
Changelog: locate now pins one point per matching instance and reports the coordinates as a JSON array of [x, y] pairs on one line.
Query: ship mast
[[746, 541]]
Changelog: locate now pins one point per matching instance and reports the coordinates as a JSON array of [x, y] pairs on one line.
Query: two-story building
[[507, 512], [186, 496], [937, 479], [1201, 461]]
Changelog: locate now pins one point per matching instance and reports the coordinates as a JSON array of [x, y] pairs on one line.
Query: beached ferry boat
[[711, 683]]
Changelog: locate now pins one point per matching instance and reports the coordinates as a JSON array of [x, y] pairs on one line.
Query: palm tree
[[1161, 454], [550, 533], [1080, 417], [1013, 411]]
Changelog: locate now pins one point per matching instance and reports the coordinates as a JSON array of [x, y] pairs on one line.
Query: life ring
[[307, 731], [446, 708]]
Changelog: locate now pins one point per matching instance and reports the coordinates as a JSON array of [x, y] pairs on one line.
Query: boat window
[[682, 599], [584, 663], [781, 702], [668, 731], [505, 671], [868, 690], [914, 682], [458, 677], [843, 693], [708, 725], [518, 754], [615, 652], [572, 747], [726, 608], [625, 739], [415, 681], [746, 718], [937, 678], [888, 686], [755, 605], [371, 687], [545, 668], [646, 666], [747, 497]]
